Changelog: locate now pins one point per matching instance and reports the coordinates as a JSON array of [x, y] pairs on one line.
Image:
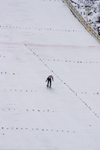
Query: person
[[49, 80]]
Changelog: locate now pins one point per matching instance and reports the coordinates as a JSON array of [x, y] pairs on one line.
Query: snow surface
[[39, 38]]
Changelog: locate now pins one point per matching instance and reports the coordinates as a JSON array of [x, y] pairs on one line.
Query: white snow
[[39, 38]]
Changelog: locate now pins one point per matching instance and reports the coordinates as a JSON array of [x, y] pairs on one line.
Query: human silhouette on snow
[[49, 80]]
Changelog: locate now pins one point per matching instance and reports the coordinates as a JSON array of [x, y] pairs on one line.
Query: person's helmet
[[51, 76]]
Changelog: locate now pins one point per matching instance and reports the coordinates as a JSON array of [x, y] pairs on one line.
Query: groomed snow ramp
[[39, 38]]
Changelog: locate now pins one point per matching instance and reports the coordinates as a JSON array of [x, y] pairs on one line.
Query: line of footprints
[[35, 129], [71, 61], [2, 56], [29, 91], [39, 29], [86, 93], [7, 73], [27, 110]]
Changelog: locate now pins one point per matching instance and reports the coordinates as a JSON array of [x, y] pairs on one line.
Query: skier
[[49, 79]]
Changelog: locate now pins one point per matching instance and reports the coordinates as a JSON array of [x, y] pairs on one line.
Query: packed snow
[[39, 38]]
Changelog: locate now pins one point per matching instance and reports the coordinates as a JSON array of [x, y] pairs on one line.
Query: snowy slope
[[39, 38]]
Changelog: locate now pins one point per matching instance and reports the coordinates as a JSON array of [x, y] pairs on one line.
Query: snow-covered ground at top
[[39, 38]]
